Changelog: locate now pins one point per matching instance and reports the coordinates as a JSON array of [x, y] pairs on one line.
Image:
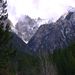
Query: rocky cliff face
[[26, 27], [54, 36]]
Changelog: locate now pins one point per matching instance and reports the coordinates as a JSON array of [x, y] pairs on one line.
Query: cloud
[[38, 8]]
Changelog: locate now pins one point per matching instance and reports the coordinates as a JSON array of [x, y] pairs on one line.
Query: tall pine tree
[[3, 14], [6, 52]]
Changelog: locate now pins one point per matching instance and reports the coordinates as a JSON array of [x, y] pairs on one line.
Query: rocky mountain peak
[[55, 35], [27, 27]]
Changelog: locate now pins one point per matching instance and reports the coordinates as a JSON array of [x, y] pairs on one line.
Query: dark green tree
[[65, 60], [7, 53], [3, 14]]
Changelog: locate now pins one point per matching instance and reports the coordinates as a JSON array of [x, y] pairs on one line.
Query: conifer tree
[[6, 52], [3, 14]]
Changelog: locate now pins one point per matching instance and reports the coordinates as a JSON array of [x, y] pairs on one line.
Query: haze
[[38, 8]]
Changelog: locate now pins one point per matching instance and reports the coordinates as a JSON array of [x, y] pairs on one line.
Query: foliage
[[28, 64], [65, 60]]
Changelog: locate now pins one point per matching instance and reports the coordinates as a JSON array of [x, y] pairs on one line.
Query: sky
[[45, 9]]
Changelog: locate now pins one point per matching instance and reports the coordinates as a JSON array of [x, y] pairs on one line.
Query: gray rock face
[[54, 36], [26, 28]]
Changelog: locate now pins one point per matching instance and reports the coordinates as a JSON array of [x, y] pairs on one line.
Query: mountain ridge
[[26, 27], [55, 35]]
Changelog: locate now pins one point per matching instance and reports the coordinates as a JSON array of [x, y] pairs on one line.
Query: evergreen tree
[[7, 53], [3, 14]]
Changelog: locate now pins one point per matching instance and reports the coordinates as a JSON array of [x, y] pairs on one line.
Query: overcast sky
[[38, 8]]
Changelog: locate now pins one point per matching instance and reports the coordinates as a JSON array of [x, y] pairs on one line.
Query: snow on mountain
[[54, 36], [41, 21], [26, 27]]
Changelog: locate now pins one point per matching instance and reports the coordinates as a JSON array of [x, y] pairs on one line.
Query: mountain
[[55, 35], [26, 27], [17, 58], [17, 43]]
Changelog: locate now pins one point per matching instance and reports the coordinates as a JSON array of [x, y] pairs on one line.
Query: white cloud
[[38, 8]]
